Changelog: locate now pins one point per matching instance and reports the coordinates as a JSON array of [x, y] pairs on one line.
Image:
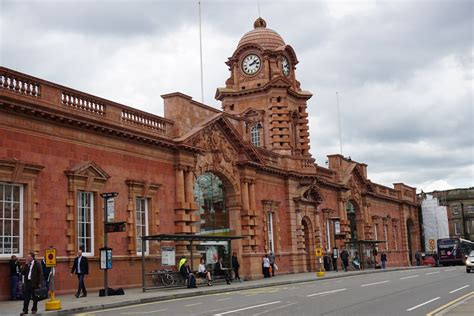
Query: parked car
[[470, 262], [428, 260]]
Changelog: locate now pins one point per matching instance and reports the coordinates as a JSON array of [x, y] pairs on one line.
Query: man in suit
[[33, 278], [81, 268]]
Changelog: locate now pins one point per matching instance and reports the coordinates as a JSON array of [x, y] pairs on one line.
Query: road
[[412, 292]]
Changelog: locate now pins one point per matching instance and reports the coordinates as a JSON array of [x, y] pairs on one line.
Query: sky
[[402, 69]]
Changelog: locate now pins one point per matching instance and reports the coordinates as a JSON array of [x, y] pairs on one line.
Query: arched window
[[255, 135], [351, 216]]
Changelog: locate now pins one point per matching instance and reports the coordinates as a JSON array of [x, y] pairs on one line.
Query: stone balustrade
[[52, 95], [19, 84]]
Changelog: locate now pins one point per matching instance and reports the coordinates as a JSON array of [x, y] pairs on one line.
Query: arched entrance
[[210, 195], [307, 242], [351, 217], [410, 227]]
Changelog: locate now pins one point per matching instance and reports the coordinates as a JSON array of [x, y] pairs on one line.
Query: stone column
[[245, 196], [179, 173], [252, 202], [189, 191]]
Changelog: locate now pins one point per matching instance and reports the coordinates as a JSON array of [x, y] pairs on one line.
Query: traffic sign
[[50, 257], [319, 252]]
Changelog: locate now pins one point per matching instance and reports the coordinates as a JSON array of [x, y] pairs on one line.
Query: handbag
[[40, 294]]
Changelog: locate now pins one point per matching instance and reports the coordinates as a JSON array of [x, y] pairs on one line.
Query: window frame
[[255, 135], [21, 220], [455, 210], [457, 228], [137, 239], [91, 223], [270, 232]]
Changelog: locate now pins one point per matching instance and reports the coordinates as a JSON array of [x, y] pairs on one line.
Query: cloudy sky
[[403, 69]]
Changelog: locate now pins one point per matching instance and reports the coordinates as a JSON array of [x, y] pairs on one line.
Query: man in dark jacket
[[345, 259], [236, 266], [81, 268], [33, 278]]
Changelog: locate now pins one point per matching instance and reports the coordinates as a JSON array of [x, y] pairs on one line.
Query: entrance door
[[307, 243]]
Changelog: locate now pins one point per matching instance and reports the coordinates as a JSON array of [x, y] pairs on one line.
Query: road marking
[[246, 308], [409, 277], [452, 269], [274, 309], [445, 306], [431, 273], [453, 291], [369, 284], [419, 305], [143, 313], [223, 299], [327, 292], [193, 304]]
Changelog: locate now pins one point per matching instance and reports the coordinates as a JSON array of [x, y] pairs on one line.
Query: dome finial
[[259, 23]]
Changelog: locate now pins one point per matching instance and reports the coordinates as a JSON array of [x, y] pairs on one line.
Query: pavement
[[72, 305]]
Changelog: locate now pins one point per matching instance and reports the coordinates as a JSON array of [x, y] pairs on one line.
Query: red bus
[[452, 251]]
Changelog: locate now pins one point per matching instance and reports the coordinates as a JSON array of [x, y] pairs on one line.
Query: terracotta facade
[[56, 142]]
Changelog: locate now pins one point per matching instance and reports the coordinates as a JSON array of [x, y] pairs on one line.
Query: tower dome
[[261, 35]]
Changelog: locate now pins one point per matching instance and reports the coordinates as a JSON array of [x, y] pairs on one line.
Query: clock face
[[285, 66], [251, 64]]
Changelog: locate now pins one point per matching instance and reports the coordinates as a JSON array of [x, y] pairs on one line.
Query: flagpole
[[200, 53], [339, 120]]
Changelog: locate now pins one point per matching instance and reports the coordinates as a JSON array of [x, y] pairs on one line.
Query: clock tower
[[262, 90]]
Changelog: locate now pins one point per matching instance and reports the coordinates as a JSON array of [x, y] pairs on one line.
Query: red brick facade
[[56, 142]]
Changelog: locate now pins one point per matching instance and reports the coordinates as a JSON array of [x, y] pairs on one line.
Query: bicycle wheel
[[167, 279]]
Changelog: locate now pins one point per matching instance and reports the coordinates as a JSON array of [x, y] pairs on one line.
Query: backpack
[[192, 282]]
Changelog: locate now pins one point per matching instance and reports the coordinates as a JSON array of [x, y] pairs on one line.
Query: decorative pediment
[[309, 194], [88, 169], [220, 138]]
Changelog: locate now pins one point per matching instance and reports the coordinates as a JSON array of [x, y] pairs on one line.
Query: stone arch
[[307, 243], [355, 219]]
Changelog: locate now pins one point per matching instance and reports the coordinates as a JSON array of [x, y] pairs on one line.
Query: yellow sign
[[319, 252], [50, 257], [432, 245]]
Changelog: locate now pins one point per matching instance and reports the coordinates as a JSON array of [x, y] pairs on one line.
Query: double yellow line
[[445, 306]]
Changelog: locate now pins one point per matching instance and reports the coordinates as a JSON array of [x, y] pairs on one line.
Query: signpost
[[319, 254], [50, 261], [109, 212]]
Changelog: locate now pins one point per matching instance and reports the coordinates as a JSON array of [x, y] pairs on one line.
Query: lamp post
[[106, 196]]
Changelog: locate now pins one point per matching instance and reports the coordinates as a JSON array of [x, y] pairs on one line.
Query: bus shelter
[[214, 246], [366, 251]]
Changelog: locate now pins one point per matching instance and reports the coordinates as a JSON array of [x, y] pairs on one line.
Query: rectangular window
[[271, 246], [85, 222], [11, 220], [141, 223], [470, 208], [386, 236], [455, 210], [457, 228]]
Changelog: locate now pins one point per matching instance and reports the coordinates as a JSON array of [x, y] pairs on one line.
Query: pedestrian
[[46, 273], [81, 268], [203, 273], [271, 257], [14, 277], [418, 258], [220, 269], [266, 266], [33, 278], [383, 259], [335, 255], [356, 261], [345, 259], [187, 274], [236, 266]]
